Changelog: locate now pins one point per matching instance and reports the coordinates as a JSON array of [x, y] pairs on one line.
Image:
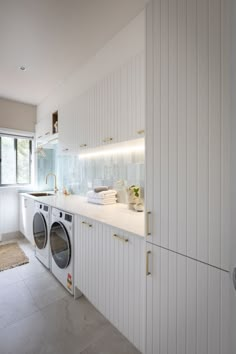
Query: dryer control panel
[[62, 215]]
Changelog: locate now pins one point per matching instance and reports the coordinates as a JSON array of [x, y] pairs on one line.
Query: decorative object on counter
[[134, 201], [55, 126], [65, 191], [103, 197], [139, 206], [100, 189], [121, 191]]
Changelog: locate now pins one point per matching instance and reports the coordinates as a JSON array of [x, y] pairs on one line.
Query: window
[[15, 160]]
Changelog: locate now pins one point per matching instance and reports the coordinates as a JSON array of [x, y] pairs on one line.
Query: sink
[[41, 194]]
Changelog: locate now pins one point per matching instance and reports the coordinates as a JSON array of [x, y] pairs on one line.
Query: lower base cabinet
[[186, 305], [26, 215], [110, 272]]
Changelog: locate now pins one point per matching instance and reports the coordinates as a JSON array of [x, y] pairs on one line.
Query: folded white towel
[[102, 201], [102, 195], [100, 189]]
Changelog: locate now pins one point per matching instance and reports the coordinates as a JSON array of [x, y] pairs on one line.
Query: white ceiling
[[53, 38]]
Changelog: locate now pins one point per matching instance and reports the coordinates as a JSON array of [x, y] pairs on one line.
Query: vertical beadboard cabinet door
[[110, 272], [67, 128], [110, 111], [188, 128], [123, 288], [86, 258], [26, 215], [43, 129], [116, 104], [187, 305]]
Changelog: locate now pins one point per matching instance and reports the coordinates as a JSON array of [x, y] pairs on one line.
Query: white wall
[[8, 211], [126, 44], [17, 115]]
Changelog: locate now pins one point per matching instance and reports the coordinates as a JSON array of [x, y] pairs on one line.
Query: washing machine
[[41, 225], [61, 246]]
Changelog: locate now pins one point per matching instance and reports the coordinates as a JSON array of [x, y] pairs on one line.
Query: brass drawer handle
[[83, 145], [86, 223], [141, 131], [122, 239], [147, 263], [107, 140], [148, 232], [48, 133]]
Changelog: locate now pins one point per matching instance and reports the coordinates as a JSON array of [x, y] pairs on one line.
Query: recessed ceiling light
[[22, 68]]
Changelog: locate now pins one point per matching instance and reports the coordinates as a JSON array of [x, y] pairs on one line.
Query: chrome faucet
[[55, 181]]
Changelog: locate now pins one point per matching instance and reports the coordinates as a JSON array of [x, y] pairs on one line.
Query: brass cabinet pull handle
[[122, 239], [40, 136], [83, 145], [107, 140], [48, 133], [86, 223], [147, 263], [142, 131], [148, 232]]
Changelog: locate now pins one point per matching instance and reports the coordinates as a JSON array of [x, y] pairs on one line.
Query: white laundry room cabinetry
[[67, 125], [187, 176], [110, 272], [26, 215], [110, 111], [187, 305], [43, 129], [188, 128]]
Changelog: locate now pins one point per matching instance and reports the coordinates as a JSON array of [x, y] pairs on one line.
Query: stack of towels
[[102, 195]]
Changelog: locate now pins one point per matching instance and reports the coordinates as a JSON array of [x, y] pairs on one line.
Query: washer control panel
[[61, 215]]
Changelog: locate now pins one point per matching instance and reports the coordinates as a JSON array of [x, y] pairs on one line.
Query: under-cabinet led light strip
[[112, 151]]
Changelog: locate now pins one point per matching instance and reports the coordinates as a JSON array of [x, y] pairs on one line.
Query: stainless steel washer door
[[60, 245], [40, 230]]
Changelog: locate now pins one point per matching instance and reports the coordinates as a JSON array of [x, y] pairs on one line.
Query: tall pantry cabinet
[[188, 176]]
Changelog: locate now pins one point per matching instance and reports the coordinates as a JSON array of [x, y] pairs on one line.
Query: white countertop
[[116, 215]]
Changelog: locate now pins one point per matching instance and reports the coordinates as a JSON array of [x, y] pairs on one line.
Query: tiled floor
[[38, 316]]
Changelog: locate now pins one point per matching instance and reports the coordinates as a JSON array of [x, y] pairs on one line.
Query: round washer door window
[[40, 230], [60, 245]]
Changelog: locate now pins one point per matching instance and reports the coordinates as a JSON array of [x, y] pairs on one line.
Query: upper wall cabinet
[[67, 126], [116, 104], [110, 111], [188, 128], [47, 129], [43, 129]]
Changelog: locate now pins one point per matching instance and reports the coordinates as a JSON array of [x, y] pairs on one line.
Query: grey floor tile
[[33, 268], [111, 342], [8, 277], [75, 323], [45, 289], [28, 336], [16, 303]]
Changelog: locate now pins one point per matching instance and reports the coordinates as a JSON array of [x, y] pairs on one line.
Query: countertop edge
[[45, 200]]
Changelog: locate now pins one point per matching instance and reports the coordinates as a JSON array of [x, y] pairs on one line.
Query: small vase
[[131, 206]]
